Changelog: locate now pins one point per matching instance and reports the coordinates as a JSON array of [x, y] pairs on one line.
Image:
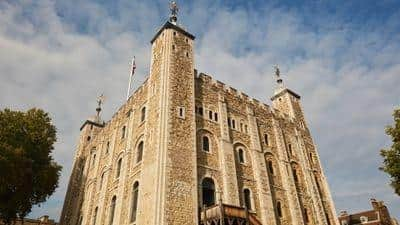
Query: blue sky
[[342, 57]]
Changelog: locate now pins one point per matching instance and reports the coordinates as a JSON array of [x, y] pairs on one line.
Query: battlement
[[253, 102]]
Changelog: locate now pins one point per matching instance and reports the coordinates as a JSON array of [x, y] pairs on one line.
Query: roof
[[283, 92], [175, 27]]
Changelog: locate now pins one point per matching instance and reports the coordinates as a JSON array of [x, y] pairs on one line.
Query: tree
[[391, 156], [28, 173]]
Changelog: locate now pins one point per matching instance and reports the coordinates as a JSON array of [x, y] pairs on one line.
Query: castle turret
[[286, 100], [172, 193]]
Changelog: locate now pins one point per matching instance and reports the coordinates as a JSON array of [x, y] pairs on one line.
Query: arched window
[[279, 209], [270, 167], [95, 216], [143, 114], [266, 139], [119, 165], [135, 194], [206, 144], [241, 155], [208, 191], [247, 198], [112, 210], [139, 152]]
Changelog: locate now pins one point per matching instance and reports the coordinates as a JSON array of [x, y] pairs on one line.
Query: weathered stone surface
[[280, 166]]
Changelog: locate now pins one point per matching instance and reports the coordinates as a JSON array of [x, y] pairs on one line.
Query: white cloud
[[60, 56]]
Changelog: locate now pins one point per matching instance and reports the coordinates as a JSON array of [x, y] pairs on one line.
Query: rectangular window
[[210, 115], [216, 117]]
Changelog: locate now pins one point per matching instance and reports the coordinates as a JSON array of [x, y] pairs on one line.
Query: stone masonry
[[148, 164]]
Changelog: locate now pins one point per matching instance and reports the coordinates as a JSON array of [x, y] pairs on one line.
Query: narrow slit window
[[119, 165], [143, 114], [139, 152], [279, 209], [216, 117], [266, 139], [135, 195], [112, 210], [270, 167], [206, 144], [210, 114], [123, 132], [241, 155], [247, 198]]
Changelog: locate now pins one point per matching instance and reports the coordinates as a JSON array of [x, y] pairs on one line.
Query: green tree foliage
[[28, 173], [391, 156]]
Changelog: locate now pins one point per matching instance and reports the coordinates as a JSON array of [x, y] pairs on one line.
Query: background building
[[185, 149], [43, 220], [379, 215]]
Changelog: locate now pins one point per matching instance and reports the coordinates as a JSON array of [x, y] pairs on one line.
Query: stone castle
[[186, 149]]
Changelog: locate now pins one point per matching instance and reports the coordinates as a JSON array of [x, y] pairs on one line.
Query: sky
[[341, 56]]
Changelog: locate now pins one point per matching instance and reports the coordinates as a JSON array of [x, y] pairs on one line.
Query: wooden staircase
[[223, 214]]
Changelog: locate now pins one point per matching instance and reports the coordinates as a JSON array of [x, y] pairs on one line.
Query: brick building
[[188, 149], [43, 220], [379, 215]]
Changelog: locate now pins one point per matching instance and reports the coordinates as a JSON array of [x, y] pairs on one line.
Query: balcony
[[223, 214]]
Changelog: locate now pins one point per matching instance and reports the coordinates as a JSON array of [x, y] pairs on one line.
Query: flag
[[133, 66]]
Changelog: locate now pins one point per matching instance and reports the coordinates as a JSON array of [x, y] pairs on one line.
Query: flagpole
[[130, 77]]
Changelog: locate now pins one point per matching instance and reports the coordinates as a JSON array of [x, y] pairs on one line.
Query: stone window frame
[[140, 143], [216, 186], [279, 209], [252, 202], [143, 114], [111, 216], [266, 139], [136, 181], [209, 143], [118, 167], [124, 132], [133, 156], [241, 148]]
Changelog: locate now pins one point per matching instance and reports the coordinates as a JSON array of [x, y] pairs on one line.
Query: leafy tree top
[[28, 173]]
